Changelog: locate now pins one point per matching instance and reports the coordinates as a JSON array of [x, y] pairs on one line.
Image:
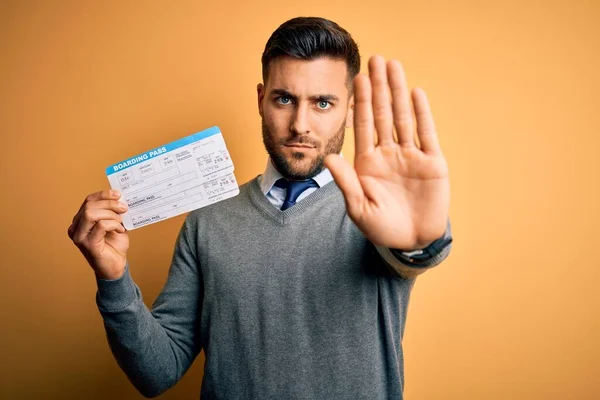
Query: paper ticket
[[173, 179]]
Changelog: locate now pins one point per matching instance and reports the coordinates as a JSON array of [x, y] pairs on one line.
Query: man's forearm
[[154, 347]]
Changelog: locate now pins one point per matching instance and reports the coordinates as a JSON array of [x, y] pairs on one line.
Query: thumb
[[346, 178]]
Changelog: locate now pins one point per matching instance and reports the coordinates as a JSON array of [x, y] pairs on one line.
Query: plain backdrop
[[513, 313]]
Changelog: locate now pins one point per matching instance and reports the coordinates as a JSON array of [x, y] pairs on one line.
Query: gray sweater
[[293, 304]]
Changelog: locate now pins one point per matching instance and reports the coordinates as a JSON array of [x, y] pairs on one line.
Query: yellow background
[[512, 314]]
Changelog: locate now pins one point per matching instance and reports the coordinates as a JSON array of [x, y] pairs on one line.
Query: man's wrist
[[110, 276]]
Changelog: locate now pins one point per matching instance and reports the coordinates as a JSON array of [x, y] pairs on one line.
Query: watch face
[[431, 251]]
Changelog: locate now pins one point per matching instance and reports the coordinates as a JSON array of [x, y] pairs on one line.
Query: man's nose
[[300, 120]]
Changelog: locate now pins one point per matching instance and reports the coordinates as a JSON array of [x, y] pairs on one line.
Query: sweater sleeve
[[155, 347]]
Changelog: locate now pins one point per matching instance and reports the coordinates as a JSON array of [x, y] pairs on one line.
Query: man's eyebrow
[[325, 97], [282, 92], [317, 97]]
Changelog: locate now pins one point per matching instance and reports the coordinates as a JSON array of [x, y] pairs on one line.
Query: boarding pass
[[173, 179]]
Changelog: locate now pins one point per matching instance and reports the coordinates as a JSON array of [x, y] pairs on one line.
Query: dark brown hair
[[309, 38]]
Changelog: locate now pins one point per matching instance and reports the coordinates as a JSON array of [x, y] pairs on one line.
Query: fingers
[[347, 179], [374, 111], [363, 115], [382, 107], [403, 120], [104, 200], [425, 126], [90, 218], [113, 205], [102, 195], [102, 228]]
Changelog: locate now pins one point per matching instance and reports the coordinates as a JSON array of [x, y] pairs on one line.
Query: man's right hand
[[98, 232]]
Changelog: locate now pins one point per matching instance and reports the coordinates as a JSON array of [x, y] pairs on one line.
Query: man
[[298, 287]]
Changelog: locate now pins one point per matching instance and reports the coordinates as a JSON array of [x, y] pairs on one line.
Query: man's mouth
[[300, 145]]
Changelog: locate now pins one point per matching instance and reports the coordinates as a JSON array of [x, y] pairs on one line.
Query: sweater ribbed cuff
[[116, 294]]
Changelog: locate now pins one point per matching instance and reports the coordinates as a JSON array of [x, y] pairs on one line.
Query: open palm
[[398, 193]]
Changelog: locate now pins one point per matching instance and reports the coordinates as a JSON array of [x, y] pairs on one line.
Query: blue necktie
[[293, 190]]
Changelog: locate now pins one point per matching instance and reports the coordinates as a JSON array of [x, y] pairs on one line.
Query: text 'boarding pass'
[[173, 179]]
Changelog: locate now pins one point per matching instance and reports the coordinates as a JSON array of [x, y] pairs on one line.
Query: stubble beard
[[293, 169]]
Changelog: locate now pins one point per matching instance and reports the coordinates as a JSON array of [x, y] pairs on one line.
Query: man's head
[[306, 100]]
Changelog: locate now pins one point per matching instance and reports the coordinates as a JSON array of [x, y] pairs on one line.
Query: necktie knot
[[293, 190]]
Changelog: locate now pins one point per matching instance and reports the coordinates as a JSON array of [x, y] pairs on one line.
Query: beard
[[295, 168]]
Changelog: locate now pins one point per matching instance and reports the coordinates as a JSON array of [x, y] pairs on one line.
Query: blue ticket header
[[162, 150]]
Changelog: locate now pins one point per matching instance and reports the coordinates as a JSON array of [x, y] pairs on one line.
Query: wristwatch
[[422, 256]]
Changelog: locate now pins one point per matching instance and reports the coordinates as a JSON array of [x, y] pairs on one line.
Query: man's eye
[[323, 105], [283, 100]]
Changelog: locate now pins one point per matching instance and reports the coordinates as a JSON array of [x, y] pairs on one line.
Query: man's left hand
[[398, 193]]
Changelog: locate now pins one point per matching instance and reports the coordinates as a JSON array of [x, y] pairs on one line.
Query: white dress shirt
[[276, 195]]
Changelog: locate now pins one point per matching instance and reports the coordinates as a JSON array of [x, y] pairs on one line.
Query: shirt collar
[[271, 175]]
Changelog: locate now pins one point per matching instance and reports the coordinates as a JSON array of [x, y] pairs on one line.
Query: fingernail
[[115, 193]]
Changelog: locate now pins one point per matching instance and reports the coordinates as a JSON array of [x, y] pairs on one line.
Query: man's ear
[[350, 114], [260, 92]]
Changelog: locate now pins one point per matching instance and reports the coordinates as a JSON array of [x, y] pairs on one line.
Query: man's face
[[305, 108]]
